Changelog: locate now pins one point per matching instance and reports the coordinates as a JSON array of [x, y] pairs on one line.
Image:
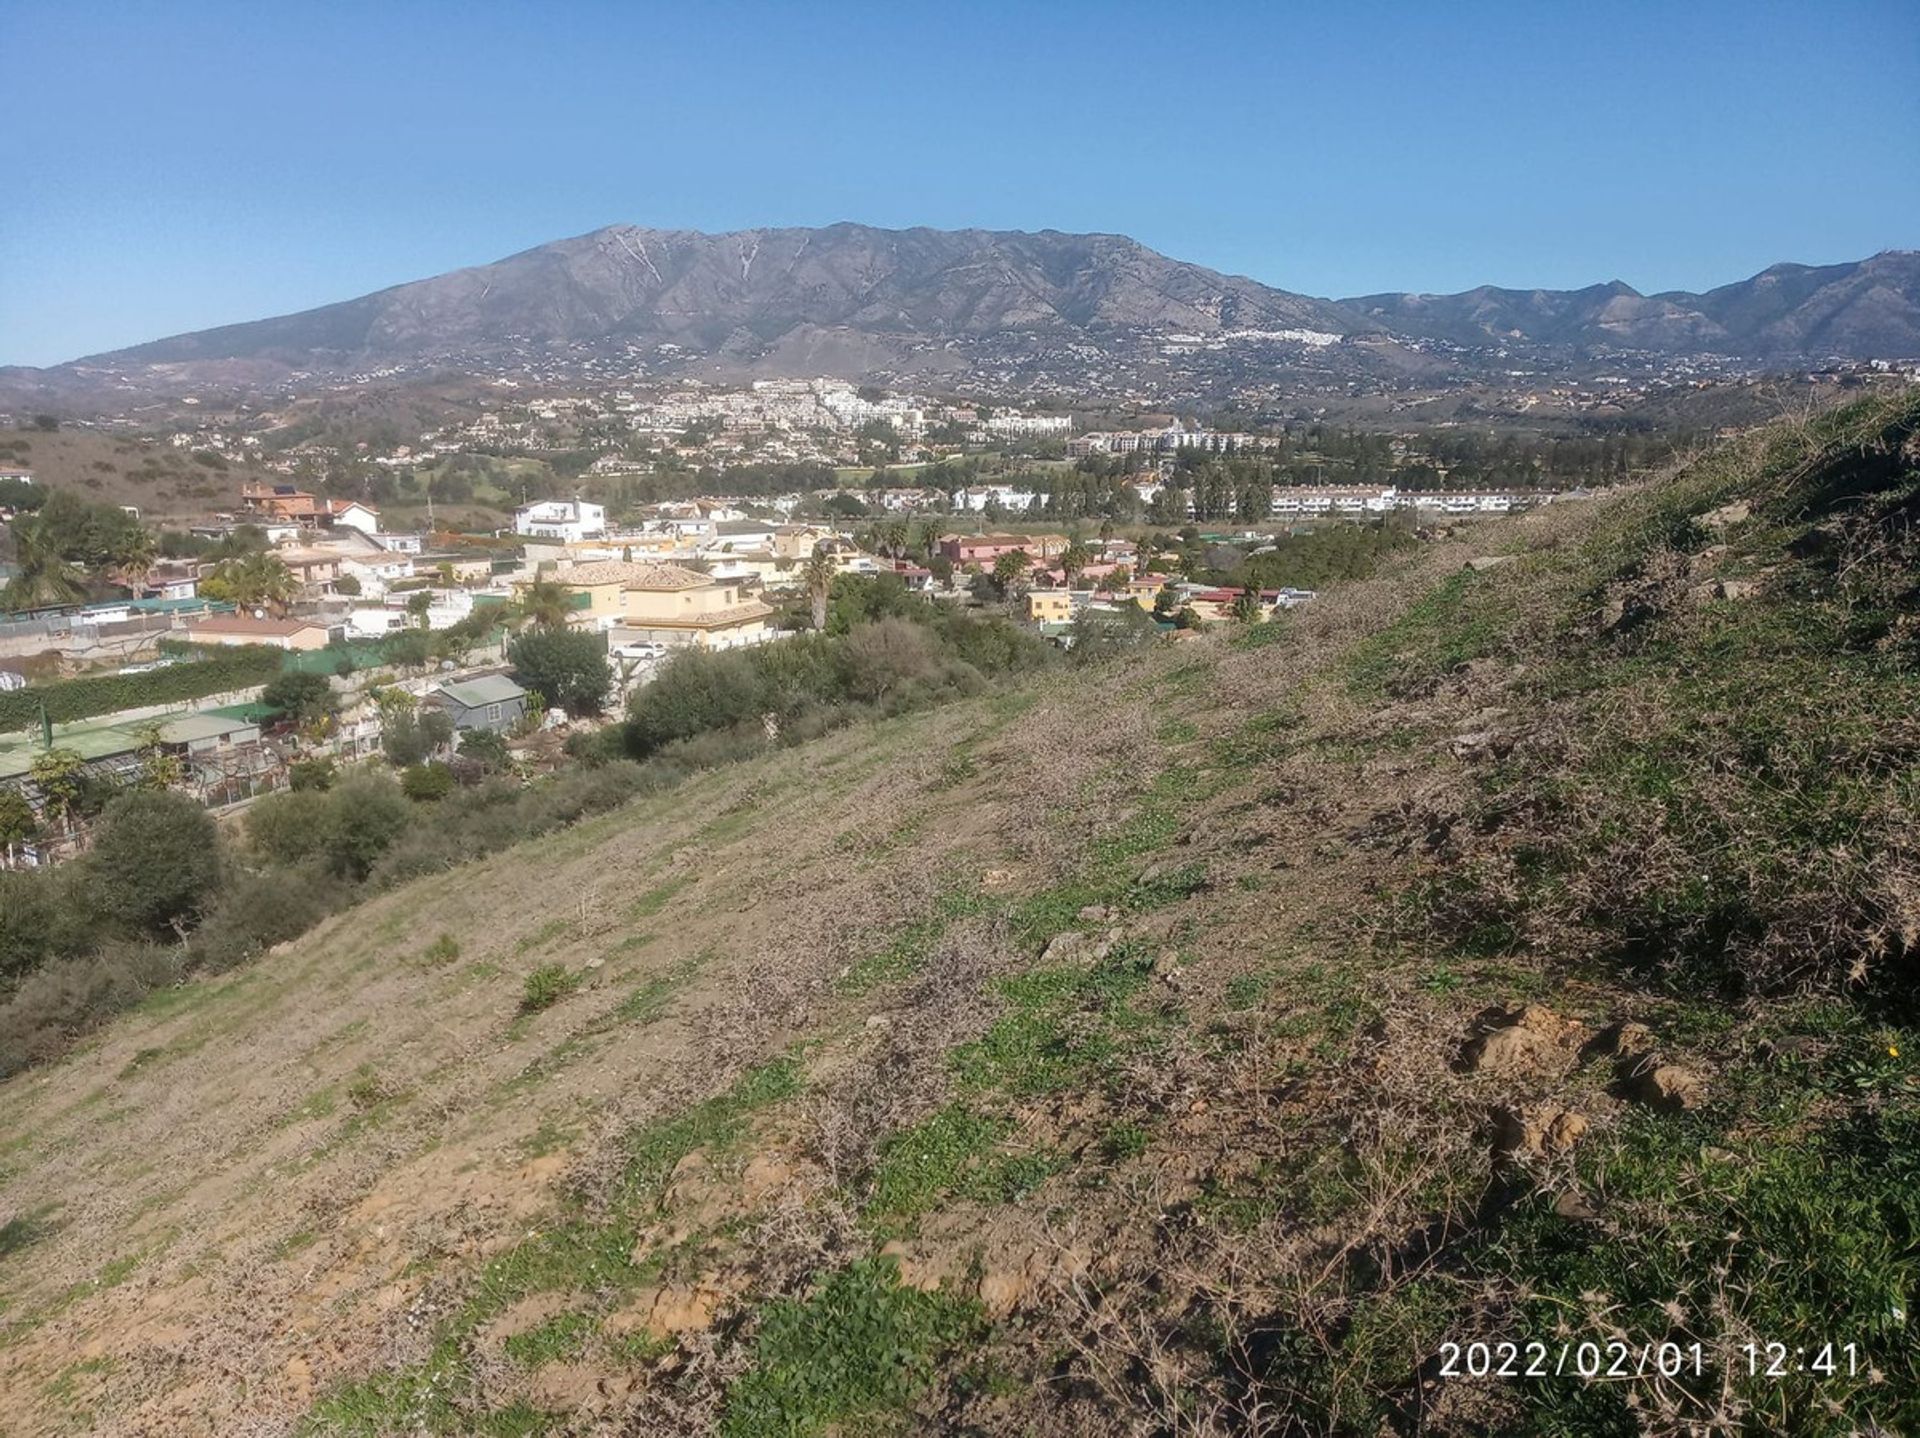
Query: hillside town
[[339, 629]]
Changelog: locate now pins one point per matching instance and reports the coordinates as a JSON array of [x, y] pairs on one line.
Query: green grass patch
[[851, 1358], [565, 1335]]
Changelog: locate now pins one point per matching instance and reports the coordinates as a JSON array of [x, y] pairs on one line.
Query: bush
[[546, 986], [367, 814], [487, 749], [261, 910], [426, 783], [291, 827], [568, 668], [303, 698], [886, 656], [17, 821], [312, 774], [155, 862], [63, 1000], [26, 918], [411, 738]]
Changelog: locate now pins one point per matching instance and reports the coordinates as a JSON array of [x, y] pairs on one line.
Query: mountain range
[[1009, 305]]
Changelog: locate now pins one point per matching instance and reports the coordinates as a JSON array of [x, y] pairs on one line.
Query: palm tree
[[253, 581], [1073, 559], [818, 575], [893, 539], [1010, 569], [42, 577], [546, 603], [135, 561]]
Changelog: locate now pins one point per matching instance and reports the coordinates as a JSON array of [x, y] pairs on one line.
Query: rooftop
[[486, 689], [247, 624], [630, 575]]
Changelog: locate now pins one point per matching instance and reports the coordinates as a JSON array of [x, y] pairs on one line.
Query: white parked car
[[639, 651]]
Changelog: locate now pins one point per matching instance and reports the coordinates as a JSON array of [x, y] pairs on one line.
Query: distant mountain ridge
[[854, 300], [745, 290], [1861, 310]]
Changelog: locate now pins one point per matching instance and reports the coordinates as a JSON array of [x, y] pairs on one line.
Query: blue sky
[[173, 166]]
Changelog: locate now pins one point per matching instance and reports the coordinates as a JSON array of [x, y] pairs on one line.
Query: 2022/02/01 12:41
[[1777, 1360], [1617, 1359]]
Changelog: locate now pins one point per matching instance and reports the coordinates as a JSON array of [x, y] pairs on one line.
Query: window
[[493, 713]]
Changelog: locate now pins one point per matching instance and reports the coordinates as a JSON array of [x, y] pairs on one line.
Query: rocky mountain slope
[[1078, 312], [1199, 1044], [739, 294], [1866, 309]]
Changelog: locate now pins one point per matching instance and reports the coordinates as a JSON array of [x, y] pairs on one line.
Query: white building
[[355, 515], [571, 520]]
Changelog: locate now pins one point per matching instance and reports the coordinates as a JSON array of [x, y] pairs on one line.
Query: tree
[[287, 828], [568, 667], [134, 561], [317, 773], [366, 814], [1099, 633], [1010, 571], [487, 749], [155, 863], [347, 584], [418, 604], [410, 649], [302, 697], [16, 817], [252, 581], [59, 774], [546, 603], [1073, 559], [160, 767], [818, 575], [409, 736], [42, 576]]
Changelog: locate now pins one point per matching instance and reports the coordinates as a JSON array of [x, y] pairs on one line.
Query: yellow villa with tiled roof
[[666, 604]]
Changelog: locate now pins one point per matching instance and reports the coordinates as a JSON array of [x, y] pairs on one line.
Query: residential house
[[355, 515], [492, 701], [1053, 606], [798, 541], [733, 536], [265, 503], [572, 520], [235, 629], [677, 607], [983, 549]]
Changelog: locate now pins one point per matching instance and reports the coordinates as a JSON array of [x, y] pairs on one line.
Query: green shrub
[[546, 986], [287, 828], [155, 862], [302, 697], [487, 749], [315, 773], [427, 783], [367, 814]]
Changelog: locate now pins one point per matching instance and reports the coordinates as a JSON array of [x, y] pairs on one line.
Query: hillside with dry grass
[[166, 484], [1516, 946]]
